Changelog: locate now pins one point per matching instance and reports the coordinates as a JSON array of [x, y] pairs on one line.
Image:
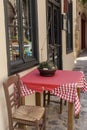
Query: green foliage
[[48, 65], [14, 37]]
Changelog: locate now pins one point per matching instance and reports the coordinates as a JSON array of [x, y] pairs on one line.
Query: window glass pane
[[27, 27], [14, 45], [13, 30]]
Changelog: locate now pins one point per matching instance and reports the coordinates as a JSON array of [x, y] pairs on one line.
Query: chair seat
[[29, 113]]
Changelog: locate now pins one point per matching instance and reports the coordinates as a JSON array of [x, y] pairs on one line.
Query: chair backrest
[[12, 95]]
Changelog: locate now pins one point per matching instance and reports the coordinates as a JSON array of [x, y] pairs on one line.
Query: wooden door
[[83, 32], [54, 33]]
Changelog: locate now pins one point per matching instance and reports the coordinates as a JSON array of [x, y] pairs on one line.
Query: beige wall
[[42, 29], [3, 69], [68, 59]]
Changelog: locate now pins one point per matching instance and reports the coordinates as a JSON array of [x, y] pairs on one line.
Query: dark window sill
[[21, 67], [69, 51]]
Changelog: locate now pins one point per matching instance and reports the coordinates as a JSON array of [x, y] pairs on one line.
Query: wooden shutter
[[65, 6]]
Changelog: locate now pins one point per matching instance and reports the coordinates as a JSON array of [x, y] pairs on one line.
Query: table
[[64, 84]]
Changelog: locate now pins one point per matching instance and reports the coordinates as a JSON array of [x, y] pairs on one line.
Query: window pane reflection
[[19, 26], [13, 30], [27, 27]]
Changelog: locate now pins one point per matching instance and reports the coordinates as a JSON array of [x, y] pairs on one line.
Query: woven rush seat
[[19, 115], [29, 113]]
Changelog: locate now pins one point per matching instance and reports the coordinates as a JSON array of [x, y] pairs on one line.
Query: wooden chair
[[21, 115], [47, 99]]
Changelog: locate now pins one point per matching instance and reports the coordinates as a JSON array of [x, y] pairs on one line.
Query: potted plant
[[47, 68]]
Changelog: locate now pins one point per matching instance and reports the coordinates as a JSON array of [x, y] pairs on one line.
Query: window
[[22, 47], [69, 37]]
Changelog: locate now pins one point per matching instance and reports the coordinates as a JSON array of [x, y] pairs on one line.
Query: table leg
[[70, 116], [78, 91], [23, 100], [38, 99]]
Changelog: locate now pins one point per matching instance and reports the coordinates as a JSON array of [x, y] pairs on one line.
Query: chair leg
[[48, 101], [43, 125], [46, 97], [60, 106], [65, 102], [44, 121], [37, 126]]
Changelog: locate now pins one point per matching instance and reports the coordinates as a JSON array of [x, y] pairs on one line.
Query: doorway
[[83, 19], [54, 32]]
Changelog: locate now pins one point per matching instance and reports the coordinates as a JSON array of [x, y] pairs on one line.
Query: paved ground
[[56, 121]]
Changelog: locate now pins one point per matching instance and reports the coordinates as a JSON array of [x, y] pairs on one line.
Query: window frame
[[32, 61]]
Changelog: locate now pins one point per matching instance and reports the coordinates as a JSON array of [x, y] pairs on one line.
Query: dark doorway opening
[[54, 32]]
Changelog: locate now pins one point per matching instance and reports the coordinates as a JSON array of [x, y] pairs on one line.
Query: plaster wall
[[3, 70], [68, 58], [42, 30]]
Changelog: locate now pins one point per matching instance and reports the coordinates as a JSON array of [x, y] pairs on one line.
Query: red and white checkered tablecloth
[[66, 91], [25, 91]]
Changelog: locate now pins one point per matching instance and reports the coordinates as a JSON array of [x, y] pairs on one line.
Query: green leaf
[[47, 64]]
